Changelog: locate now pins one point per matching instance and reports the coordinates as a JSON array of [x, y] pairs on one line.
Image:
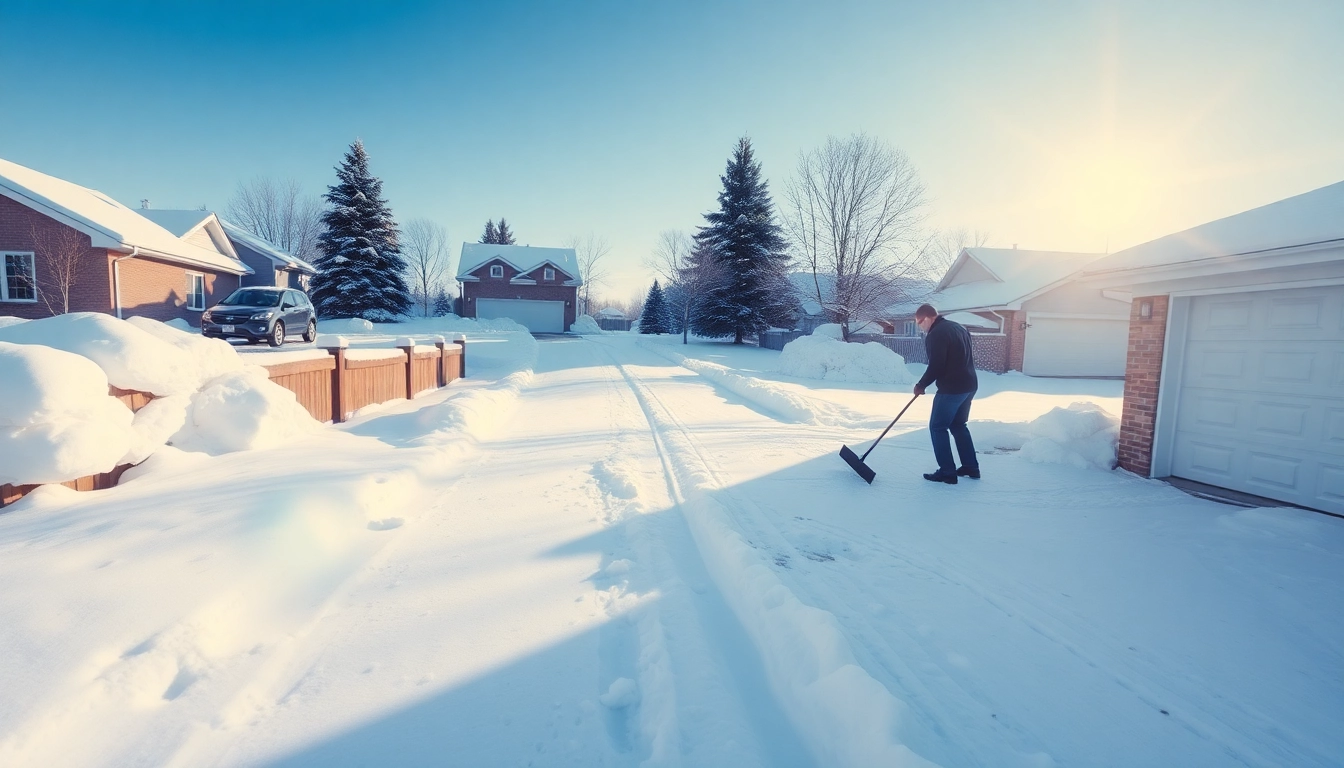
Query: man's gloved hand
[[919, 390]]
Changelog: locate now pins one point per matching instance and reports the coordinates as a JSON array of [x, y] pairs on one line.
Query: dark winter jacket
[[951, 364]]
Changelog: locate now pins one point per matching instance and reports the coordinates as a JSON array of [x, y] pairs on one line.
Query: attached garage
[[538, 316], [1062, 345], [1260, 394], [1235, 371]]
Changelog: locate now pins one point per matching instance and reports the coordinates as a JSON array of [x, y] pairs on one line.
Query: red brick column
[[1143, 371], [1017, 339]]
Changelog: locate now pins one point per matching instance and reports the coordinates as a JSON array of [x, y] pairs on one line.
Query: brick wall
[[1143, 369], [500, 288], [1016, 339], [23, 229], [158, 289]]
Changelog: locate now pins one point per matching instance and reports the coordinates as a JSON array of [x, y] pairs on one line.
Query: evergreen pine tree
[[655, 316], [491, 234], [442, 304], [503, 236], [360, 266], [753, 291]]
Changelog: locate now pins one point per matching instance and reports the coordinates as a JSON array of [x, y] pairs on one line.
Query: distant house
[[537, 287], [1033, 314], [269, 264], [123, 263], [1234, 375], [612, 319], [812, 314]]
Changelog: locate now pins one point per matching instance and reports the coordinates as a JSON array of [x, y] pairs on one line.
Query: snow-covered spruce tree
[[751, 290], [360, 266], [502, 235], [491, 234], [442, 304], [654, 319]]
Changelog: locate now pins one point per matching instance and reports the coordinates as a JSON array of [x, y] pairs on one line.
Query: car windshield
[[253, 298]]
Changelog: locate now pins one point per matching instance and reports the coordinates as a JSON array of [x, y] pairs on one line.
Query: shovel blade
[[855, 463]]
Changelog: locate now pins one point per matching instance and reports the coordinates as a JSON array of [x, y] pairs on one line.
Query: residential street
[[609, 559]]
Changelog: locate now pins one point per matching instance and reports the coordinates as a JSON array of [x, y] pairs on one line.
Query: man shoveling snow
[[952, 368]]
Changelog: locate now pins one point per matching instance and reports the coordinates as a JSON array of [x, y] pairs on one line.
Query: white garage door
[[538, 316], [1067, 346], [1261, 402]]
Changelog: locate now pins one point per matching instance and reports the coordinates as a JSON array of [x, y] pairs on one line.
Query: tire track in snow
[[846, 716]]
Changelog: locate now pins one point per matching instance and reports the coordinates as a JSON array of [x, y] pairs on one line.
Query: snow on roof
[[179, 222], [109, 224], [972, 320], [1311, 217], [1020, 274], [264, 247], [611, 312], [523, 258]]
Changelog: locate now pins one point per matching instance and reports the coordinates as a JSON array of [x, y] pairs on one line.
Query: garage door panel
[[1261, 406], [538, 316]]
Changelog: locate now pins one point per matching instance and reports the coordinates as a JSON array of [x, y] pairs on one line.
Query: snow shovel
[[856, 462]]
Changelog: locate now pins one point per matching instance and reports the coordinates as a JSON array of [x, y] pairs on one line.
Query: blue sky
[[1071, 126]]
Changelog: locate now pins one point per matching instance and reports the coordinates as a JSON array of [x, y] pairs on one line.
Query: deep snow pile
[[824, 357], [585, 325], [1083, 435], [7, 320], [61, 423], [57, 421], [132, 357]]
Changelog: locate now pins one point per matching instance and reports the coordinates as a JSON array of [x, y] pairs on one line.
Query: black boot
[[971, 472], [939, 477]]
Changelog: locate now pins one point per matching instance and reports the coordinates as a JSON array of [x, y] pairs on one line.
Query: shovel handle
[[889, 426]]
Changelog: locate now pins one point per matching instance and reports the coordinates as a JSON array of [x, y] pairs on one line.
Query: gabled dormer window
[[548, 274], [496, 270]]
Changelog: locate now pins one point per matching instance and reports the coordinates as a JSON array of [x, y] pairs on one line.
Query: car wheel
[[277, 336], [311, 333]]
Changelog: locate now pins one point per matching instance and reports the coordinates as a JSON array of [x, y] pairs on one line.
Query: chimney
[[144, 204]]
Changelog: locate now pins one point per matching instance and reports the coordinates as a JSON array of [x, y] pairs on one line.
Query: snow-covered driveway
[[649, 562]]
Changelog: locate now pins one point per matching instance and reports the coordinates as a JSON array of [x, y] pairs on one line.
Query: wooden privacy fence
[[330, 388]]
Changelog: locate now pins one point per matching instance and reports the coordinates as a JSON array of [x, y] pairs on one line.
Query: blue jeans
[[950, 413]]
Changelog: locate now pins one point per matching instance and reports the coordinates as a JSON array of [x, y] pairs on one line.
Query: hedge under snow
[[823, 357]]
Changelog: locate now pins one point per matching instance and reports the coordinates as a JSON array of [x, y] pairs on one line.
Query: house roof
[[108, 223], [523, 258], [181, 223], [611, 312], [264, 247], [1014, 275], [806, 286], [1306, 219]]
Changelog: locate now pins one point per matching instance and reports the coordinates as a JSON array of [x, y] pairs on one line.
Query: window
[[548, 274], [909, 328], [195, 291], [19, 282], [496, 270]]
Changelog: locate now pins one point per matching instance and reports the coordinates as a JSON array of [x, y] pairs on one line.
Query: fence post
[[443, 361], [461, 341], [335, 345], [407, 345]]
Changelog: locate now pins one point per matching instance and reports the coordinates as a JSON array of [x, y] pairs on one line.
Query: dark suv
[[261, 313]]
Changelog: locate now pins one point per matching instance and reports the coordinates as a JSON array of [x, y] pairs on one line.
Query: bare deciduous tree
[[424, 246], [673, 260], [590, 249], [854, 212], [61, 254], [280, 213]]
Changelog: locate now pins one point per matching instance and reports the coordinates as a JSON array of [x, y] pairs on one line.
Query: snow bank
[[57, 421], [130, 356], [212, 357], [6, 320], [829, 331], [824, 357], [1083, 435], [587, 326], [240, 411], [346, 325], [154, 425], [448, 323]]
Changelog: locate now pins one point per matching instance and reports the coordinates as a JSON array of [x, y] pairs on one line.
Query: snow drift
[[1083, 435], [240, 411], [824, 357], [57, 421], [587, 326]]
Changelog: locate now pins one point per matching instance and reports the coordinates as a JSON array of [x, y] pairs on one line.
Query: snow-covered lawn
[[617, 550]]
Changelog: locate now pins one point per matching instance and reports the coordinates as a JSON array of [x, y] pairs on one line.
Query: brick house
[[537, 287], [270, 265], [1028, 312], [1234, 375], [66, 247]]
